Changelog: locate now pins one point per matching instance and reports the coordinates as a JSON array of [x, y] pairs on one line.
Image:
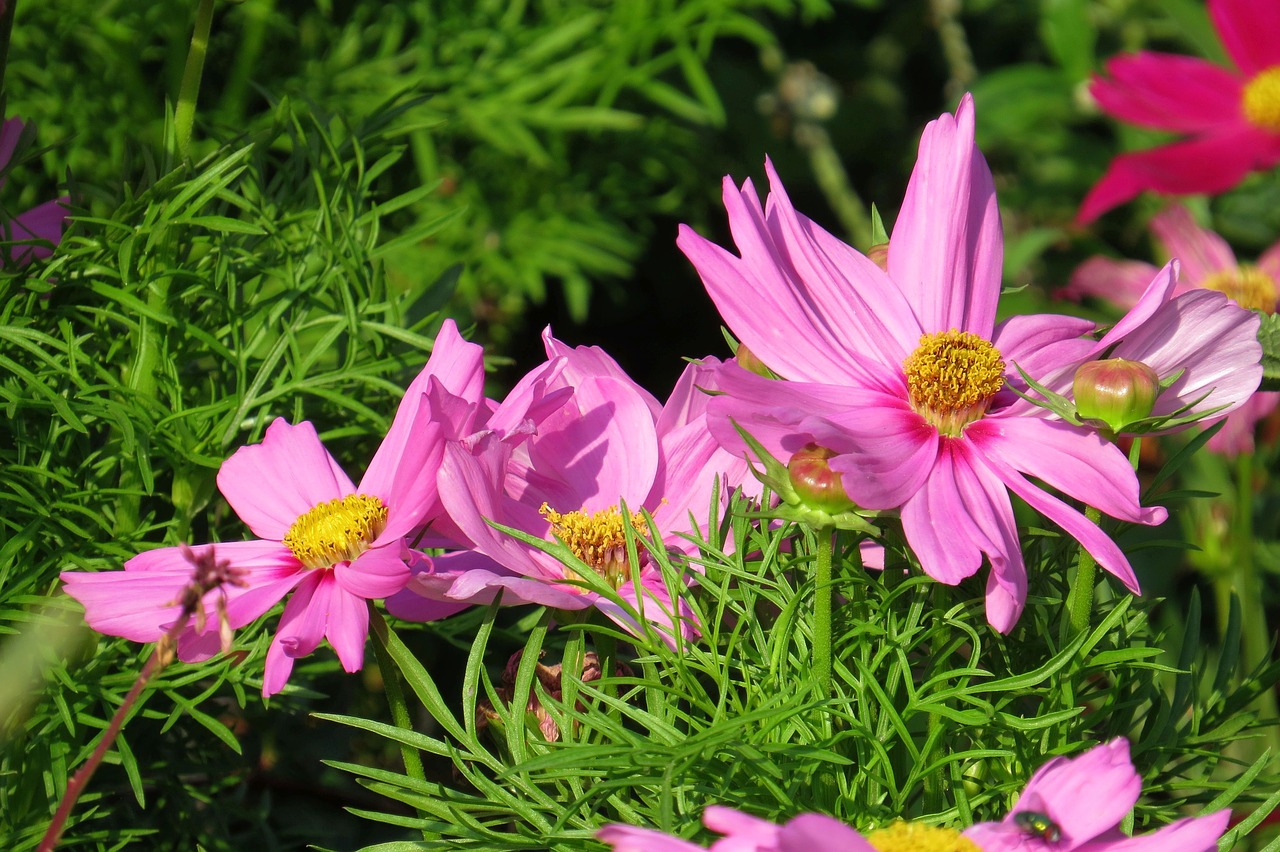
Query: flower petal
[[1085, 795], [346, 624], [1201, 252], [1120, 282], [1192, 834], [947, 246], [584, 362], [820, 833], [1236, 436], [1168, 92], [377, 573], [270, 485], [1247, 29], [629, 838]]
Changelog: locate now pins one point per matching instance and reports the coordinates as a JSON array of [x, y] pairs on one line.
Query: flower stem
[[395, 694], [184, 115], [822, 610], [1245, 583], [1080, 598]]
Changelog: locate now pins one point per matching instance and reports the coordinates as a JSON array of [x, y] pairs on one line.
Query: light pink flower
[[612, 444], [744, 833], [332, 544], [43, 222], [1207, 263], [859, 347], [1231, 116], [1084, 799]]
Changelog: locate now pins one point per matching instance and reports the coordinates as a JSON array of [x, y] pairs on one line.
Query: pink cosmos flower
[[43, 222], [1233, 117], [906, 374], [331, 544], [1069, 805], [612, 444], [1207, 263], [1078, 804]]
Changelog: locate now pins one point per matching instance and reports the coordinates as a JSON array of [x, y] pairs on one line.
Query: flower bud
[[747, 360], [816, 484], [1115, 391], [879, 255]]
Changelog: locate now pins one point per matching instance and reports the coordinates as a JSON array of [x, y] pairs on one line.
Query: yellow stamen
[[337, 530], [1262, 100], [915, 837], [597, 539], [1248, 285], [952, 377]]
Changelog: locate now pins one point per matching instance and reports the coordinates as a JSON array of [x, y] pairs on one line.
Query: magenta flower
[[611, 445], [332, 544], [744, 833], [43, 222], [906, 375], [1207, 263], [1078, 804], [1233, 117]]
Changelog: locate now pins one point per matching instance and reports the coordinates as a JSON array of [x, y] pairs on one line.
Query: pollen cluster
[[916, 837], [952, 376], [597, 539], [1262, 100], [1248, 285], [336, 530]]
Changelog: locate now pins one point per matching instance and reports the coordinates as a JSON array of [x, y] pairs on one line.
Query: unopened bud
[[879, 255], [1115, 391], [748, 361], [816, 484]]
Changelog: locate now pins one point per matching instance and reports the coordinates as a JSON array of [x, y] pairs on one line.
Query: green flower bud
[[1115, 391], [815, 483], [747, 360]]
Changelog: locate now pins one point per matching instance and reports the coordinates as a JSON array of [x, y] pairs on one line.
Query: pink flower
[[744, 833], [1079, 803], [43, 222], [332, 544], [612, 444], [905, 374], [1233, 117], [1207, 263]]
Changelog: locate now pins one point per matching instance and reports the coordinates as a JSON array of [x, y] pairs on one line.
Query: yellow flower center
[[1262, 100], [914, 837], [597, 539], [336, 530], [952, 377], [1248, 285]]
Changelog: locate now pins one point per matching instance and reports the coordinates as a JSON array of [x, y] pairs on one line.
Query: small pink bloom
[[610, 445], [1207, 263], [1081, 802], [905, 374], [332, 544], [1232, 116], [43, 222]]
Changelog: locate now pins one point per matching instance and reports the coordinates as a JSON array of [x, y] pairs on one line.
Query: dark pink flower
[[905, 374], [330, 543], [43, 222], [1232, 116], [1207, 263]]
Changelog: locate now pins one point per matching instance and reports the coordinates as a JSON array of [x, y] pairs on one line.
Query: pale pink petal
[[692, 463], [270, 485], [1192, 834], [585, 362], [377, 573], [538, 394], [1236, 436], [734, 823], [1269, 263], [1156, 296], [1211, 339], [1247, 29], [820, 833], [629, 838], [603, 445], [422, 597], [1085, 795], [481, 586], [1047, 347], [1120, 282], [1206, 164], [689, 398], [653, 603], [947, 248], [1200, 251], [1168, 92]]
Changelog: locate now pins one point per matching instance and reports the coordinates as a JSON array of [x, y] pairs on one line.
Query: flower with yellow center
[[597, 538], [336, 530], [917, 837], [952, 378], [1261, 100], [1248, 285]]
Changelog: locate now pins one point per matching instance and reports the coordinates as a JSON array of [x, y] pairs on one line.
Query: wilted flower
[[552, 682], [1207, 263], [1233, 117], [332, 544], [907, 376]]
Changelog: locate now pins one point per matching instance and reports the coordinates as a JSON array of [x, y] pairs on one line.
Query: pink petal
[[1200, 251], [1168, 92], [692, 463], [377, 573], [652, 603], [43, 222], [1269, 262], [1206, 164], [10, 133], [1192, 834], [947, 246], [539, 393], [820, 833], [1086, 795], [346, 625], [886, 450], [689, 398], [1236, 436], [585, 362], [270, 485], [481, 586], [1157, 294], [629, 838], [1248, 29], [1046, 347], [297, 617], [1120, 282]]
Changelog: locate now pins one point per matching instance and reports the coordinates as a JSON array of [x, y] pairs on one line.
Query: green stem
[[1080, 598], [6, 27], [822, 610], [185, 114], [570, 677], [833, 180], [395, 694]]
